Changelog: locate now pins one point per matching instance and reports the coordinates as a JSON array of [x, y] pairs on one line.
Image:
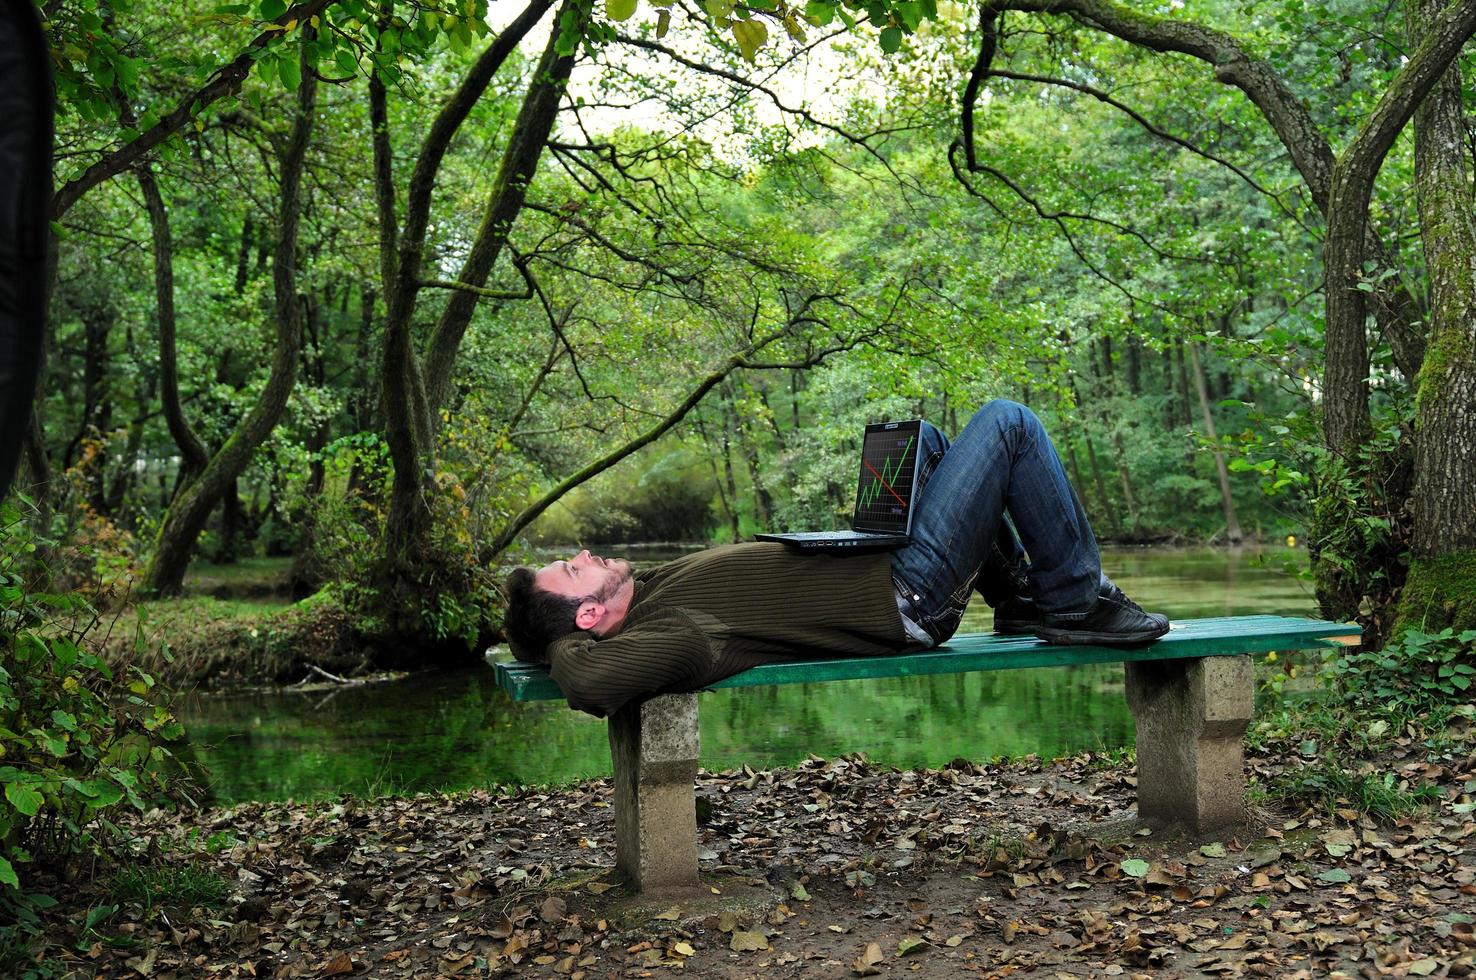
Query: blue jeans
[[1001, 464]]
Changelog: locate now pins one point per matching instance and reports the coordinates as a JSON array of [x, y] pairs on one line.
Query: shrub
[[86, 550], [1416, 673], [447, 596], [666, 503], [79, 741]]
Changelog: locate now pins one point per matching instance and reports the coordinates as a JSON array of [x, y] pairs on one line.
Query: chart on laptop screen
[[886, 478]]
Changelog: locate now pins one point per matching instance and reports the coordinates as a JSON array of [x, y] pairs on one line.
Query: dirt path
[[834, 868]]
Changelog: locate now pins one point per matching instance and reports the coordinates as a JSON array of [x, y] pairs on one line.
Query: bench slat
[[1191, 638]]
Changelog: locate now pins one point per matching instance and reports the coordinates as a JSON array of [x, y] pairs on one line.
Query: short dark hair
[[535, 617]]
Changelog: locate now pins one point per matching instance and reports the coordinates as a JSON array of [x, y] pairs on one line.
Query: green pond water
[[449, 731]]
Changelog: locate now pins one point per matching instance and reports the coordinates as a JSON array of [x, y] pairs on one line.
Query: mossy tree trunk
[[413, 384], [1441, 588]]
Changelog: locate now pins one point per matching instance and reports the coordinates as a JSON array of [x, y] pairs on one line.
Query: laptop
[[882, 520]]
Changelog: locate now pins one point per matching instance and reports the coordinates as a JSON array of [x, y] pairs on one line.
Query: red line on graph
[[884, 482]]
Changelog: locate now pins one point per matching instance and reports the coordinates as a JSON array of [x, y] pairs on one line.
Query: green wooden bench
[[1191, 694]]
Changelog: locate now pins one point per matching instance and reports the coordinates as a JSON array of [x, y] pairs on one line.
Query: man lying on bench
[[611, 636]]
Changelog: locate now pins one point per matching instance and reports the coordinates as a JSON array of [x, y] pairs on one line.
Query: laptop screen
[[888, 470]]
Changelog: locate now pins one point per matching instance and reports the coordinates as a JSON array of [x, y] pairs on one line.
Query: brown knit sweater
[[715, 613]]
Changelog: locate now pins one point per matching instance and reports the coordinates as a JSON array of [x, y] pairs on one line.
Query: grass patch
[[1314, 716], [1329, 786], [245, 577], [176, 620], [230, 640], [183, 885]]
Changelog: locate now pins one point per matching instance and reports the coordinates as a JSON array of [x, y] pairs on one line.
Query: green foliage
[[654, 497], [1360, 517], [457, 598], [345, 516], [1411, 689], [87, 551], [747, 23], [1415, 673], [661, 249], [80, 741]]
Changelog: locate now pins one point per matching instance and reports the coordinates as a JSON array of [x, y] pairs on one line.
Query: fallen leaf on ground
[[910, 944], [337, 966], [865, 965]]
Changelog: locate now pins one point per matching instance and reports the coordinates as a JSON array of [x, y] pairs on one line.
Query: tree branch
[[1395, 308], [1162, 134], [482, 291], [505, 537], [519, 162], [226, 81]]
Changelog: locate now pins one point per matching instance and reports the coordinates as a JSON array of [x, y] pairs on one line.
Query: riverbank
[[831, 868], [205, 641]]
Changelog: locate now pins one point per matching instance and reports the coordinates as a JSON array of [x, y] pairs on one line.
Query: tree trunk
[[1181, 380], [36, 477], [189, 511], [97, 324], [117, 491], [730, 495], [1072, 464], [1347, 425], [143, 395], [230, 525], [384, 182], [1170, 389], [763, 504], [519, 163], [97, 405], [192, 454], [1110, 517], [1107, 376], [1129, 500], [363, 397], [772, 418], [409, 427], [1232, 521], [1441, 587]]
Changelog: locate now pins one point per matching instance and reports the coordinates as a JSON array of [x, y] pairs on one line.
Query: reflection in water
[[451, 731]]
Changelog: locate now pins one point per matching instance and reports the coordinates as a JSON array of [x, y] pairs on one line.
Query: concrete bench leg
[[1191, 715], [654, 748]]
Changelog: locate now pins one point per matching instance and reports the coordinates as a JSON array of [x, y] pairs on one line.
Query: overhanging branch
[[226, 81]]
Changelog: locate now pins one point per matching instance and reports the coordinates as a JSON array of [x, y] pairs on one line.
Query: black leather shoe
[[1017, 616], [1115, 621], [1020, 616]]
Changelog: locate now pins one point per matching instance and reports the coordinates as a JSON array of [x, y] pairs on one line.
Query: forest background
[[401, 290]]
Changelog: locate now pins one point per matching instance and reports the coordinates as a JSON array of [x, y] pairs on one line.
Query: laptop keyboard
[[838, 535]]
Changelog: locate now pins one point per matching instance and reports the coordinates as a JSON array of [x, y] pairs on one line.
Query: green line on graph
[[888, 477]]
